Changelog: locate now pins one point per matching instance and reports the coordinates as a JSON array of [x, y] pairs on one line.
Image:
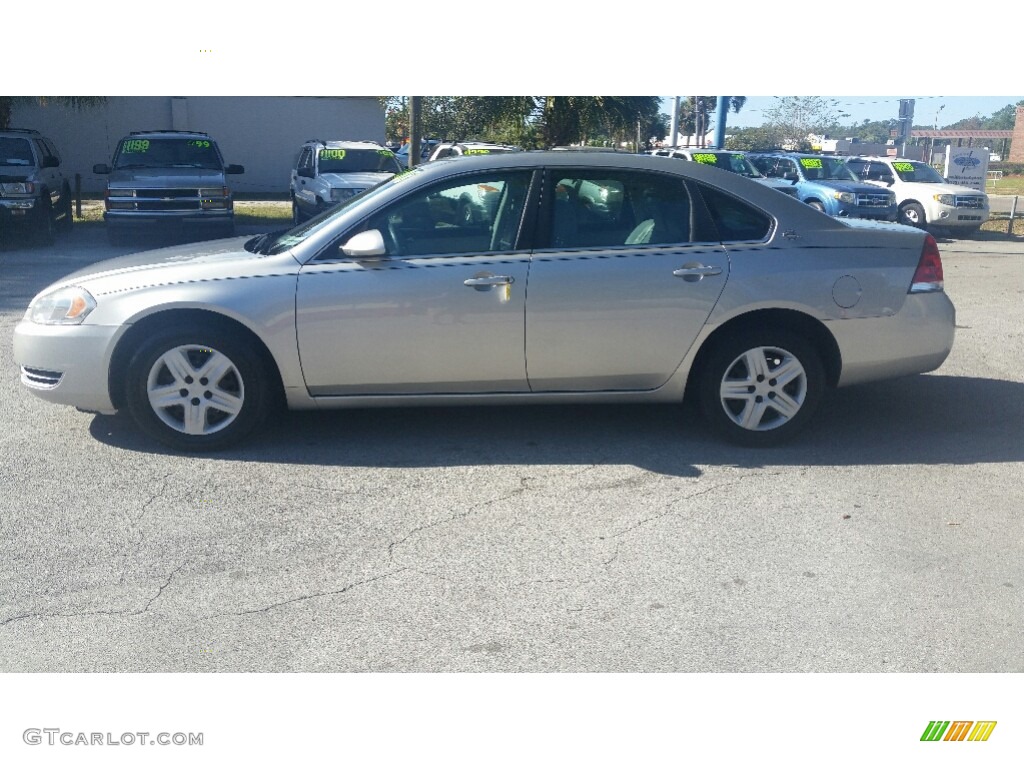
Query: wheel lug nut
[[207, 394], [183, 392], [204, 381], [195, 401], [758, 399], [188, 379]]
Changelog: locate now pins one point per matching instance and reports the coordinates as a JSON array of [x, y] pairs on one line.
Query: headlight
[[120, 193], [19, 188], [845, 197], [337, 195], [65, 306], [945, 199], [213, 192]]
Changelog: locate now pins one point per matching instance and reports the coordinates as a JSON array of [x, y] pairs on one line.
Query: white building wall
[[263, 133]]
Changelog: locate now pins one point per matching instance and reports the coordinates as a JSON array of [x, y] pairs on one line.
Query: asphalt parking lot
[[531, 539]]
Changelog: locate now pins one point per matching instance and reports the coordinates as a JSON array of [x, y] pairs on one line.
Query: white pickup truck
[[923, 197]]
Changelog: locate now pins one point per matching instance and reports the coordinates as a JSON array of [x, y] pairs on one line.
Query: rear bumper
[[917, 339]]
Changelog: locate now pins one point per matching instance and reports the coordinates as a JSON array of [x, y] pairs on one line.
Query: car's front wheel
[[912, 215], [197, 390], [761, 388]]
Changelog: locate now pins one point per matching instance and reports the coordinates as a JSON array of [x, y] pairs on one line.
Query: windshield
[[354, 160], [727, 161], [278, 242], [826, 168], [15, 152], [167, 153], [911, 171]]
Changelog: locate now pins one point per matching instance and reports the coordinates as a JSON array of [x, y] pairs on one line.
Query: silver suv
[[34, 193], [328, 172], [174, 179]]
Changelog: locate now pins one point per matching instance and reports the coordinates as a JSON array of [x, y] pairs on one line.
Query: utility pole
[[674, 130], [722, 109], [415, 106]]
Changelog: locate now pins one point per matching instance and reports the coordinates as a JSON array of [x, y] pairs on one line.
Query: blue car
[[826, 183]]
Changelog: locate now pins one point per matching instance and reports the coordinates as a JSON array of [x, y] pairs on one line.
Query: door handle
[[489, 281], [691, 273]]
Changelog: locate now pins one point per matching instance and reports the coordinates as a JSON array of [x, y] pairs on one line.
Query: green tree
[[8, 103], [695, 113], [796, 117], [759, 139]]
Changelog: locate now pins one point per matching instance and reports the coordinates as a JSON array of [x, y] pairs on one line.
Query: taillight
[[928, 275]]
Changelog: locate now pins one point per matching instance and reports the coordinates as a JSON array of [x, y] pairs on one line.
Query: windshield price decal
[[477, 152], [384, 152], [810, 162], [199, 143], [706, 157], [903, 166], [135, 145], [332, 154]]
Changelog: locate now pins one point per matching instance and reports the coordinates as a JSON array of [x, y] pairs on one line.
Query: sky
[[948, 109]]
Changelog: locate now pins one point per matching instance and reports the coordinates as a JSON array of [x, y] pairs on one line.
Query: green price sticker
[[135, 145], [903, 166], [477, 152], [810, 162], [332, 154], [385, 152], [706, 158], [201, 143]]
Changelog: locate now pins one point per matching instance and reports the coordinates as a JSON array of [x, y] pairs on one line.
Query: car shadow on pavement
[[928, 419]]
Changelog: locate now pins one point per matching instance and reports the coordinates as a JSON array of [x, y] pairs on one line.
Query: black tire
[[67, 214], [188, 412], [45, 229], [731, 390], [816, 205], [912, 215]]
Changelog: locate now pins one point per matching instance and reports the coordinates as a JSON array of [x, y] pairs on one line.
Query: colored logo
[[958, 730], [966, 161]]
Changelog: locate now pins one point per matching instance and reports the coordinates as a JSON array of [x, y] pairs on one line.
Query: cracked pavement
[[534, 539]]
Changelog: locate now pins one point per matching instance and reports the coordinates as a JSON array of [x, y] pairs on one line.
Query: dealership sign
[[967, 166]]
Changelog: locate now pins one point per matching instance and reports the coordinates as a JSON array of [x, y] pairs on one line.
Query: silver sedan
[[599, 277]]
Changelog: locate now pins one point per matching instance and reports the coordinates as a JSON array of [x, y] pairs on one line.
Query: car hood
[[357, 179], [944, 189], [191, 262], [165, 177], [855, 187]]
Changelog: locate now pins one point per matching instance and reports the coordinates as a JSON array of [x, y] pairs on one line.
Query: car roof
[[168, 134], [346, 143]]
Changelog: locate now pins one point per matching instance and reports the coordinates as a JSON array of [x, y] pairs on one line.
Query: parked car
[[467, 148], [426, 149], [328, 172], [825, 183], [689, 280], [168, 179], [727, 160], [923, 197], [35, 194]]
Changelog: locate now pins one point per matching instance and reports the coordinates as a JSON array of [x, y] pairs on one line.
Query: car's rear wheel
[[197, 390], [761, 388], [912, 215]]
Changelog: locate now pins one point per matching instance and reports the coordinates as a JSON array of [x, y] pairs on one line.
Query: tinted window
[[332, 160], [137, 152], [15, 152], [594, 209], [735, 219]]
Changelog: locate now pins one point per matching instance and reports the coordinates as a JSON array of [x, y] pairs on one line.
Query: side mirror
[[101, 168], [234, 169], [365, 245], [51, 162], [790, 176], [306, 173]]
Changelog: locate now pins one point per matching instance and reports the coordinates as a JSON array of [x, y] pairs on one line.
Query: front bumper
[[124, 220], [950, 216], [67, 364]]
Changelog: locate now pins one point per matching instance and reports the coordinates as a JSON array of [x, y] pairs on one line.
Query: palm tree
[[8, 103]]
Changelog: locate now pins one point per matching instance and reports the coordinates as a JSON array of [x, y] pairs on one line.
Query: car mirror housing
[[101, 168], [51, 162], [305, 173], [365, 245], [234, 169]]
